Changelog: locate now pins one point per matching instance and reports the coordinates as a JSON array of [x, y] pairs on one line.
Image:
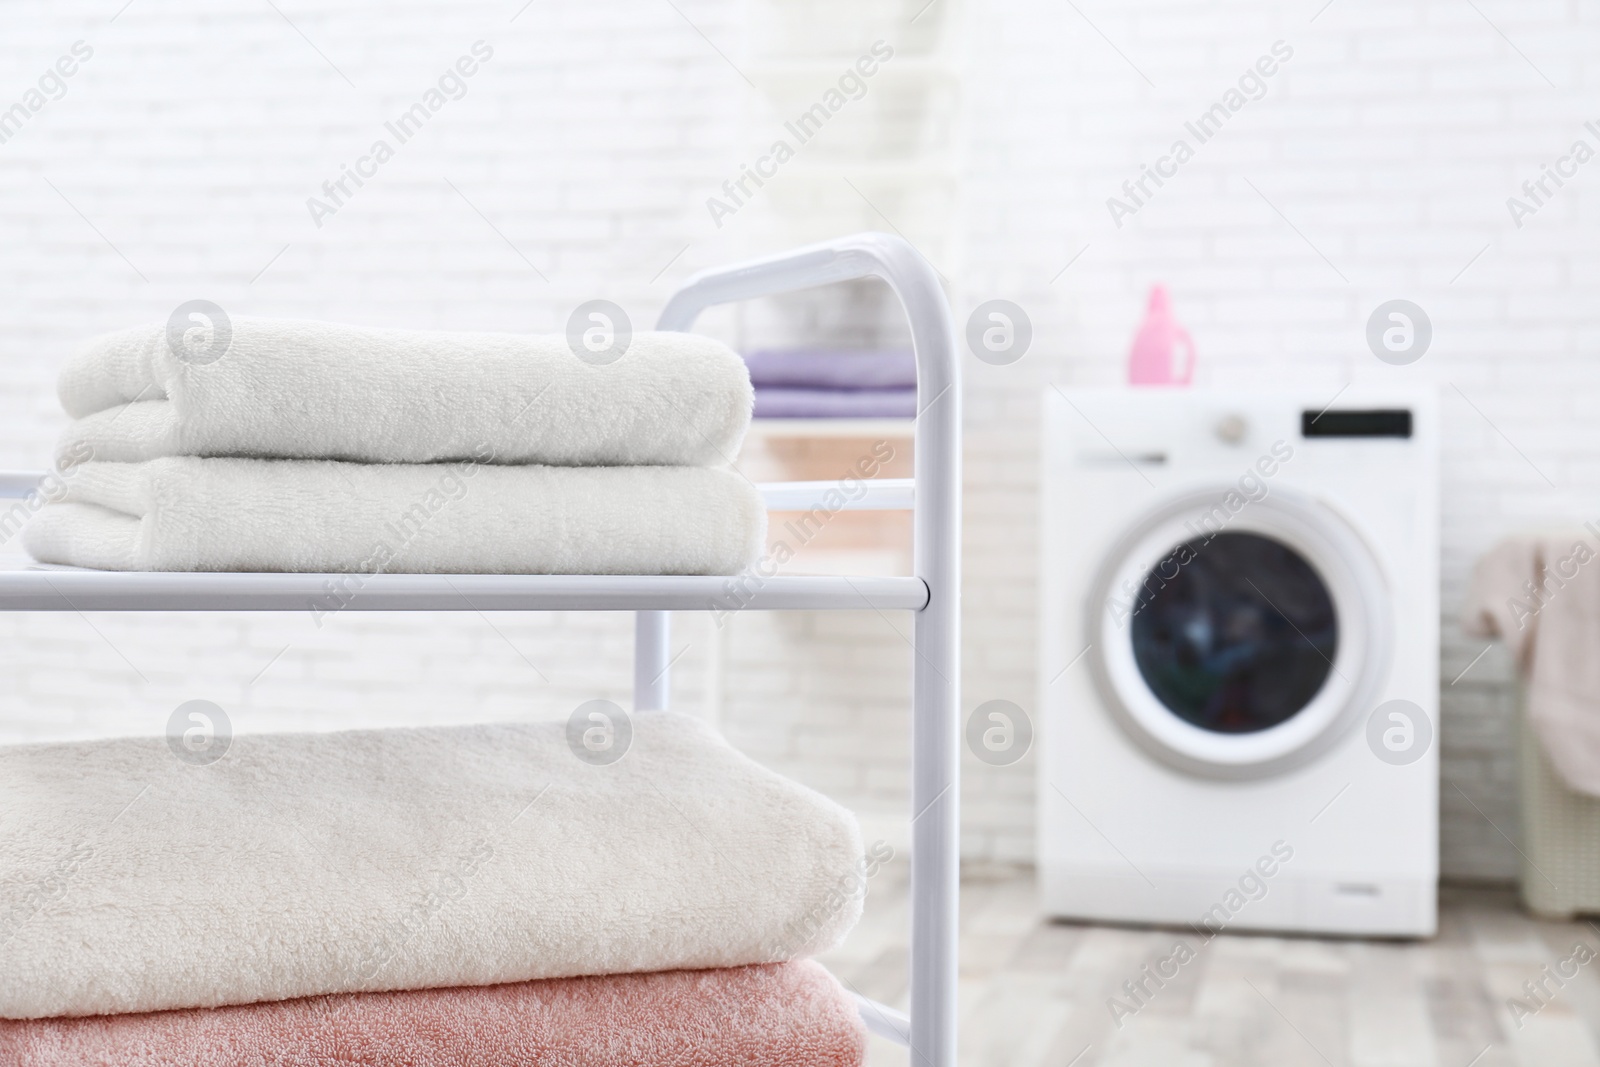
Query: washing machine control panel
[[1371, 422]]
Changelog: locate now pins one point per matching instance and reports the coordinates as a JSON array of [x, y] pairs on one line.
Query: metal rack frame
[[932, 593]]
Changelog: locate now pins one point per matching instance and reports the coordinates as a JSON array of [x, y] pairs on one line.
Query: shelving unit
[[931, 592]]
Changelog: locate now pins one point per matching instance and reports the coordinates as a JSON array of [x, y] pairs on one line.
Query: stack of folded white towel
[[318, 447], [463, 896]]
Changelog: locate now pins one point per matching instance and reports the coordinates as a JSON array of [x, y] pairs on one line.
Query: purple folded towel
[[835, 403], [825, 368]]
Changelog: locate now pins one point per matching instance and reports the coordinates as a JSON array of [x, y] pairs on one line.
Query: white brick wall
[[192, 138]]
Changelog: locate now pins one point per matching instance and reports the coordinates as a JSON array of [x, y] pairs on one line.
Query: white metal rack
[[932, 593]]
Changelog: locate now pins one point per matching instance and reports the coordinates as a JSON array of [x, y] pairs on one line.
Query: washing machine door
[[1236, 638]]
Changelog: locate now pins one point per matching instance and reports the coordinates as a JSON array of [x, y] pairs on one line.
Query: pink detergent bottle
[[1152, 360]]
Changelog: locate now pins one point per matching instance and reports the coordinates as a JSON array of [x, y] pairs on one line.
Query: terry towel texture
[[1541, 595], [316, 390], [778, 1015], [189, 514], [304, 864]]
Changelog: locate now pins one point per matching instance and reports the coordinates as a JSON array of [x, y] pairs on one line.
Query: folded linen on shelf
[[316, 390], [795, 1014], [305, 864], [190, 514], [832, 368], [784, 403]]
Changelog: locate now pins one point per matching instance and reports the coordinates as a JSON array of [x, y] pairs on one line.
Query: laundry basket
[[1560, 834]]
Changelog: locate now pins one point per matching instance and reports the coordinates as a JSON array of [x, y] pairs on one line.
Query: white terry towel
[[301, 864], [1541, 594], [189, 514], [316, 390]]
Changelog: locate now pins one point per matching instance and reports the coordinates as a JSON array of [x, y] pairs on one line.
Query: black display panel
[[1394, 422]]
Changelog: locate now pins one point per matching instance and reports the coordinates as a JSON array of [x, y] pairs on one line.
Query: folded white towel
[[301, 864], [316, 390], [189, 514]]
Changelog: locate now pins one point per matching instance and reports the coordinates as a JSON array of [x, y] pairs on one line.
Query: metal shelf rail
[[933, 494]]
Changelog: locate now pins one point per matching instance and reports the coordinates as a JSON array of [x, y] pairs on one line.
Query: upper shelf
[[69, 589]]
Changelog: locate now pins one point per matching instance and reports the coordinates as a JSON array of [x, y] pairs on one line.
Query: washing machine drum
[[1234, 638]]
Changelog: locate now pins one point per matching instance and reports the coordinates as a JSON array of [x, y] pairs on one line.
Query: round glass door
[[1241, 639], [1244, 651]]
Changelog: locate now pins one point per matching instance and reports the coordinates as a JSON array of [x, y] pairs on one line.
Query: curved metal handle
[[936, 559], [937, 454], [861, 255]]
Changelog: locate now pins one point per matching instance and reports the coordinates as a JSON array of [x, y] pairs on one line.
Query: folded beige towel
[[304, 864], [1541, 595]]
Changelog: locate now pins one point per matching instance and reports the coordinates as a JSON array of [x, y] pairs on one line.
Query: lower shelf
[[67, 589]]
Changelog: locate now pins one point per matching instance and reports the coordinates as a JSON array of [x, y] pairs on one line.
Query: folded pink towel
[[1540, 593], [779, 1014]]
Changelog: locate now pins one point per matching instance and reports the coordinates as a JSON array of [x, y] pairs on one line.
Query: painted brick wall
[[179, 160]]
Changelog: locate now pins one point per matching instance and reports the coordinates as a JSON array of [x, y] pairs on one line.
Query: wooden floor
[[1035, 992]]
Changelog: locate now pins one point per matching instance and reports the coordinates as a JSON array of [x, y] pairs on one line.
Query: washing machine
[[1238, 716]]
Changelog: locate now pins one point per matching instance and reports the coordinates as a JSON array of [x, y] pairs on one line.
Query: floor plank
[[1040, 993]]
